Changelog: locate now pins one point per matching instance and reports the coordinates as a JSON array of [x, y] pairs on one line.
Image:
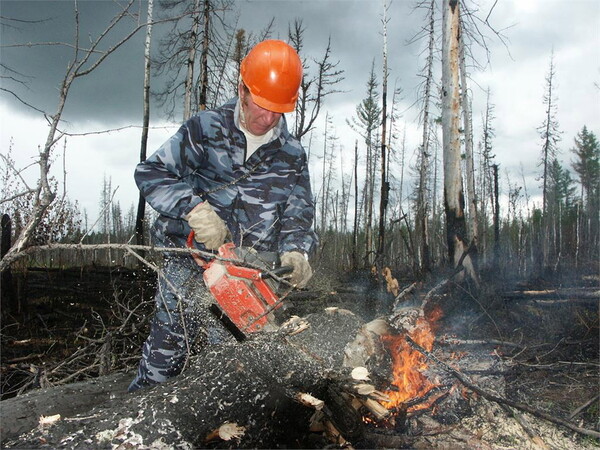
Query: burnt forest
[[455, 290]]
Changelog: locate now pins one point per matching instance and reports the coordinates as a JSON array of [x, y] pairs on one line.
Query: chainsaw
[[245, 298]]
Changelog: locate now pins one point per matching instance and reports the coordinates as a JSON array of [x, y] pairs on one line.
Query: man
[[233, 173]]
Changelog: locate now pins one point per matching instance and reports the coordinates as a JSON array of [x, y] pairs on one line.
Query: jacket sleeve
[[163, 177], [297, 231]]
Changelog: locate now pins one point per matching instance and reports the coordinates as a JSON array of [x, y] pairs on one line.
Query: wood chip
[[309, 400], [48, 421], [295, 325], [380, 396], [364, 388], [300, 328], [226, 432], [360, 374], [335, 309], [229, 431]]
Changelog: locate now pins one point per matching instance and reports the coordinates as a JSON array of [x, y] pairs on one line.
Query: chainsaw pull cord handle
[[190, 244]]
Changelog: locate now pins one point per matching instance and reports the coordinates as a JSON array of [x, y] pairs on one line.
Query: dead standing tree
[[84, 61], [470, 165], [422, 215], [315, 87], [365, 123], [550, 135], [385, 185], [454, 200], [141, 209], [192, 57]]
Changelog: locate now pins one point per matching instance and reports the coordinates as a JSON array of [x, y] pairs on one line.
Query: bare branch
[[17, 172], [23, 101], [13, 197]]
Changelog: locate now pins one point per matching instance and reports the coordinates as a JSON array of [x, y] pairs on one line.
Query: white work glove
[[209, 228], [302, 271]]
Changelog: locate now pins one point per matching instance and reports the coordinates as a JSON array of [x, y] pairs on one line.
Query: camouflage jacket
[[265, 201]]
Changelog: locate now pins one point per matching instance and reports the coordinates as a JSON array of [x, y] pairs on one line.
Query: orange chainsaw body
[[244, 300]]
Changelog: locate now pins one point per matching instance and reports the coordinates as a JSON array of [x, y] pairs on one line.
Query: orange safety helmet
[[272, 71]]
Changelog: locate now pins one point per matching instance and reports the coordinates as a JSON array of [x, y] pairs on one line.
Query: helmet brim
[[271, 106]]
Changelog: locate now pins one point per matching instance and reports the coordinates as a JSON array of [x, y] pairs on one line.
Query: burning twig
[[495, 398], [438, 390]]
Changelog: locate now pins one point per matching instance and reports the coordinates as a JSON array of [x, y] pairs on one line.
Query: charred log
[[254, 386], [21, 414]]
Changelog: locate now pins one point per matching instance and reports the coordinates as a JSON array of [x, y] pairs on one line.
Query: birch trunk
[[141, 209], [470, 165], [204, 58], [189, 78], [422, 198]]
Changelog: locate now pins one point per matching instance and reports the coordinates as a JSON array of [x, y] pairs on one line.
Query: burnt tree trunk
[[454, 201], [8, 299], [21, 414], [453, 190], [496, 218], [254, 384], [385, 185]]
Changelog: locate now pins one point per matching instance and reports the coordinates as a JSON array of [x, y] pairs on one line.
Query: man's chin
[[259, 131]]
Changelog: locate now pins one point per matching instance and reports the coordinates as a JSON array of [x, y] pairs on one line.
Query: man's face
[[258, 120]]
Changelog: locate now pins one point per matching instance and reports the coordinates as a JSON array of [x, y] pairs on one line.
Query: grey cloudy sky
[[112, 96]]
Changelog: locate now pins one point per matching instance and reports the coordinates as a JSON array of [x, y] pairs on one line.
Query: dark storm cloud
[[112, 96], [113, 93]]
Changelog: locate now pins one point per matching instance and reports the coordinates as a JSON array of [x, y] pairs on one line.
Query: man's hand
[[209, 228], [302, 271]]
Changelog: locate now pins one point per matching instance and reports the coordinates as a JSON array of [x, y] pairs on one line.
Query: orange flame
[[408, 364]]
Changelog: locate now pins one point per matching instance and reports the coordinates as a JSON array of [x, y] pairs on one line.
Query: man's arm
[[297, 233], [162, 177]]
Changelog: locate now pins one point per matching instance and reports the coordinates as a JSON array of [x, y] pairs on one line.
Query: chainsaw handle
[[190, 244], [278, 272]]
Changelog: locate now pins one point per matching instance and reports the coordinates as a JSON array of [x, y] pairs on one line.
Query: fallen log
[[565, 295], [21, 414], [254, 386]]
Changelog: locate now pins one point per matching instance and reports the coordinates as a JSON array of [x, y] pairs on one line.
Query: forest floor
[[77, 324]]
